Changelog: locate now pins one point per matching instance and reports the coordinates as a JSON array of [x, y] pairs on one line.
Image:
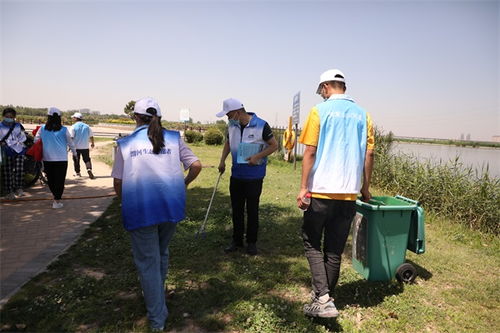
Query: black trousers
[[245, 191], [85, 154], [329, 220], [56, 176]]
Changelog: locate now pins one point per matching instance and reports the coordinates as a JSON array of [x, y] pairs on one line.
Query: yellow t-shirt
[[310, 137]]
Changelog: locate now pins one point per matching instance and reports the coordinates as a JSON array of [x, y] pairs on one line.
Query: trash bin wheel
[[406, 273]]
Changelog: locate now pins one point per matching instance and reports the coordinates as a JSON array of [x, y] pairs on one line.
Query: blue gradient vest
[[340, 154], [252, 133], [54, 144], [82, 134], [153, 189]]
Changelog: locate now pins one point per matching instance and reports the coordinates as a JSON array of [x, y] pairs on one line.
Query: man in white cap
[[81, 134], [249, 140], [336, 167]]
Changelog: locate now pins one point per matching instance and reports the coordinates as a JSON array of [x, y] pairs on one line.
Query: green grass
[[105, 152], [94, 287], [102, 139]]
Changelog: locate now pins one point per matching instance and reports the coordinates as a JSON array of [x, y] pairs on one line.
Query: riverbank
[[479, 159], [458, 143], [447, 188], [94, 286]]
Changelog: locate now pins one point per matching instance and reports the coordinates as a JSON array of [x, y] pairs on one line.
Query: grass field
[[94, 286]]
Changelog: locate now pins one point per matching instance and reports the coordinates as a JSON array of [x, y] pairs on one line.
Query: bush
[[193, 136], [213, 137]]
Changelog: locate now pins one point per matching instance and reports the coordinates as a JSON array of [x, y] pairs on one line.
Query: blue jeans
[[150, 249]]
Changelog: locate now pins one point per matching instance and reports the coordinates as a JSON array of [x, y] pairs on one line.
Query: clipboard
[[245, 150]]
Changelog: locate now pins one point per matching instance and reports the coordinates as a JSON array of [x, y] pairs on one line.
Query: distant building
[[462, 137], [495, 138], [468, 137]]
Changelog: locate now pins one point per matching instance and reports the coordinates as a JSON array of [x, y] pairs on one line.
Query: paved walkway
[[32, 234]]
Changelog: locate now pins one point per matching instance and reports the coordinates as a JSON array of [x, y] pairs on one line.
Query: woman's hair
[[155, 130], [53, 123], [8, 110]]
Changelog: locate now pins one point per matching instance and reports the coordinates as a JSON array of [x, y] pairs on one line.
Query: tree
[[129, 108]]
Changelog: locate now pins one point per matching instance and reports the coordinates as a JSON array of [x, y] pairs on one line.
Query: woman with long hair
[[151, 184], [55, 138]]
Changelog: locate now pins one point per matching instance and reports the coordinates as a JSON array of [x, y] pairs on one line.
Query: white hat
[[330, 75], [229, 105], [77, 115], [142, 105], [52, 111]]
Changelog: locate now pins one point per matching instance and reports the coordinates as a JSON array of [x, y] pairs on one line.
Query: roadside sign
[[296, 109], [184, 115]]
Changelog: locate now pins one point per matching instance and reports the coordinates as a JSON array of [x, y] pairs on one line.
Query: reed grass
[[447, 188]]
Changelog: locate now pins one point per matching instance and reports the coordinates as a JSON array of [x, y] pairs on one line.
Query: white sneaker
[[19, 193], [57, 205]]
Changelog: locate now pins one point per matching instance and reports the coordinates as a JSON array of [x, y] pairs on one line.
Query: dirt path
[[33, 234]]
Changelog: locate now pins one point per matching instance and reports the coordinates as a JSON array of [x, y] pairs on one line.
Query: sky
[[420, 68]]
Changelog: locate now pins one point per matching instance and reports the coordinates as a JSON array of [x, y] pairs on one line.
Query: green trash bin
[[383, 229]]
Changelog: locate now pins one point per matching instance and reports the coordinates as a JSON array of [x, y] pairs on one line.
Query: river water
[[477, 158]]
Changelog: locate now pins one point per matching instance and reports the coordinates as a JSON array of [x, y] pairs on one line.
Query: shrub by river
[[447, 188]]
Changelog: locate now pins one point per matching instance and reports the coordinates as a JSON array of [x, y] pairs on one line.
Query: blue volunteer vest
[[252, 133], [340, 154], [54, 144], [153, 189], [81, 135]]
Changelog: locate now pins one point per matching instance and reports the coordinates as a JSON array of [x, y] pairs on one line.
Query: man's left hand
[[253, 160], [365, 195], [92, 145]]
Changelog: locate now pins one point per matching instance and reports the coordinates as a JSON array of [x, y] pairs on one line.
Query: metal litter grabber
[[202, 228]]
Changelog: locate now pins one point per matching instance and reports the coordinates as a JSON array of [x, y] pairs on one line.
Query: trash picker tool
[[202, 228]]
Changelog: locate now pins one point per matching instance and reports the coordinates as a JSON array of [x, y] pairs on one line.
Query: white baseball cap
[[330, 75], [142, 105], [77, 115], [229, 105], [52, 111]]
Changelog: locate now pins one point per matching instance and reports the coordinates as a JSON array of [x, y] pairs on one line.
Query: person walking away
[[336, 166], [55, 139], [12, 139], [252, 138], [81, 134], [150, 182]]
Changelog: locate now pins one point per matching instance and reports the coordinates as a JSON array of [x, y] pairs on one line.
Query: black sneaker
[[252, 249], [91, 175], [233, 247]]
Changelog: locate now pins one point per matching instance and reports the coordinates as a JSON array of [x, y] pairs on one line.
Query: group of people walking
[[147, 176], [336, 167], [56, 140]]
